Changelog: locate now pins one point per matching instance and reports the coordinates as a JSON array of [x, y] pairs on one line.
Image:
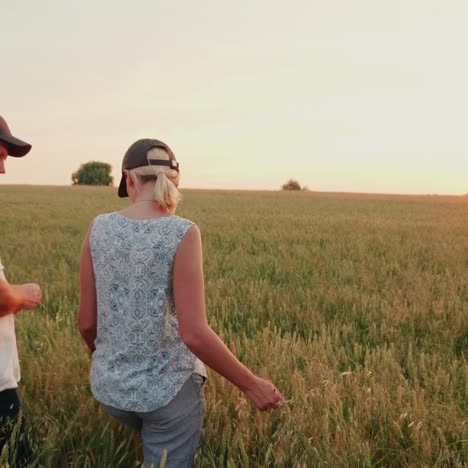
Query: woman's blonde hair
[[165, 190]]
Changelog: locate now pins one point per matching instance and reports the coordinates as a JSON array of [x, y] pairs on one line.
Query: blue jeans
[[174, 428]]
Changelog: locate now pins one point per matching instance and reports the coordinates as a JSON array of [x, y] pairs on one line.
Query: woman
[[142, 313]]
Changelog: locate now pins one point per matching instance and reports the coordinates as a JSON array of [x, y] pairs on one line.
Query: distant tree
[[291, 184], [93, 173]]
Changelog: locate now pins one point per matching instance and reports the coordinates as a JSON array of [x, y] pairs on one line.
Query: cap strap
[[172, 163]]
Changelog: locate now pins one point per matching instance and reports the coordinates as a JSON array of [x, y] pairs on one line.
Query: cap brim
[[15, 147], [123, 188]]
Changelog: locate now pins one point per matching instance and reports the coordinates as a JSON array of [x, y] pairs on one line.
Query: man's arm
[[14, 298], [9, 301]]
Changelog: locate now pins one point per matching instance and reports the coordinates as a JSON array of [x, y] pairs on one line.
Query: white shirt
[[9, 363]]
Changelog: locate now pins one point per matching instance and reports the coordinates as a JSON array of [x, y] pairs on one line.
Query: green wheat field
[[356, 306]]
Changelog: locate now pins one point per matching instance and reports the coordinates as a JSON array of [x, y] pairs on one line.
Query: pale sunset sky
[[350, 95]]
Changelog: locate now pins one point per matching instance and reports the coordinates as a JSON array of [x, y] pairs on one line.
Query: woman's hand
[[264, 395], [31, 295]]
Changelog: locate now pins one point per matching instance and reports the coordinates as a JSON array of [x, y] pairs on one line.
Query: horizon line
[[218, 189]]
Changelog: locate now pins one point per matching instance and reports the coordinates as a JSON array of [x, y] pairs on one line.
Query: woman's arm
[[189, 296], [87, 315]]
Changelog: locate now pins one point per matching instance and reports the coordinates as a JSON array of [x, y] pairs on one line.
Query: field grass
[[356, 306]]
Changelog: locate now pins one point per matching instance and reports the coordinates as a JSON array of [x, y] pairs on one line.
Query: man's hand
[[31, 295]]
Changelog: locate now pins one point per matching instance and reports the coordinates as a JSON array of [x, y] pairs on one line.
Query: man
[[13, 298]]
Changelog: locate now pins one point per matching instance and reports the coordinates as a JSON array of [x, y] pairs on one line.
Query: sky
[[350, 95]]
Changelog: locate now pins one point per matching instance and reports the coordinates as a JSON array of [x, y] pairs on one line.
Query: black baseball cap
[[137, 156], [14, 146]]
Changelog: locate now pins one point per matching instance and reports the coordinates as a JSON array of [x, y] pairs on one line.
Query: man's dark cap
[[137, 156], [14, 146]]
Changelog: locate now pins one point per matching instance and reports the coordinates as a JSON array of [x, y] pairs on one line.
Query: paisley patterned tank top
[[140, 362]]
